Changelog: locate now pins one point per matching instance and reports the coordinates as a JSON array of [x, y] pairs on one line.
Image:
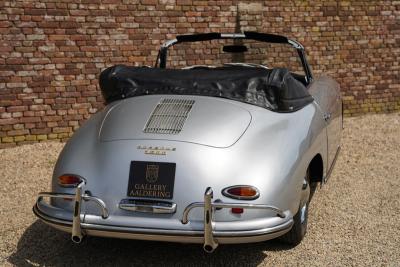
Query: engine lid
[[195, 119]]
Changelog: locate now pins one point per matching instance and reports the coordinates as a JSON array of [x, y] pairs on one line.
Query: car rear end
[[151, 168]]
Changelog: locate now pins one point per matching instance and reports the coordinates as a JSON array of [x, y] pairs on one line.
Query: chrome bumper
[[209, 237]]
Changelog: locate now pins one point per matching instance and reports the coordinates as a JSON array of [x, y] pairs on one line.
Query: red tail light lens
[[69, 180], [243, 192], [237, 210]]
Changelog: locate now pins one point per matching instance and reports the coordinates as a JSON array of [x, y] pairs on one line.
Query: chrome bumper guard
[[78, 197], [210, 243]]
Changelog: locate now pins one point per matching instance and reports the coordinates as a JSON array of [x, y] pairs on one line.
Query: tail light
[[69, 180], [242, 192], [237, 210]]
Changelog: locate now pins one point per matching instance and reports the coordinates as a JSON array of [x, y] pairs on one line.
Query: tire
[[299, 228]]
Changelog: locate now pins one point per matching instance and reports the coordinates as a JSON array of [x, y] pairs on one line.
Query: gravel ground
[[354, 219]]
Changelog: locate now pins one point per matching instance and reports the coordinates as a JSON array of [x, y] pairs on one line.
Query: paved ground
[[354, 219]]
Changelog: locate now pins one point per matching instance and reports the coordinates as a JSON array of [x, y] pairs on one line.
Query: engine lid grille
[[169, 116]]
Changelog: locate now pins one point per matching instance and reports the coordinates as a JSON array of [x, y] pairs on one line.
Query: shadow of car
[[57, 250]]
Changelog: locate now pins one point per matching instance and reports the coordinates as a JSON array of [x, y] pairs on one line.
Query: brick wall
[[52, 51]]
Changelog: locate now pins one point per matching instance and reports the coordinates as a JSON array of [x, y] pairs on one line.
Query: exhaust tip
[[76, 239], [208, 248]]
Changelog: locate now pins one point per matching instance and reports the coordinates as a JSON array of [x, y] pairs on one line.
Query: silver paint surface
[[222, 143], [211, 122]]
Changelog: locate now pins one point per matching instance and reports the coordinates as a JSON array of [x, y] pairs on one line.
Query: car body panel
[[127, 119], [272, 155], [326, 93], [222, 143], [259, 158]]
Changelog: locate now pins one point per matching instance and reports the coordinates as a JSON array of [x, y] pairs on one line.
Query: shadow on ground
[[42, 245]]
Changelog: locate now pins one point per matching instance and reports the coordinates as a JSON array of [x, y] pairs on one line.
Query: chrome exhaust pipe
[[76, 221], [209, 248], [77, 239], [209, 242]]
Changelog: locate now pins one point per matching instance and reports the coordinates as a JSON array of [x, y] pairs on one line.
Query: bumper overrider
[[209, 237]]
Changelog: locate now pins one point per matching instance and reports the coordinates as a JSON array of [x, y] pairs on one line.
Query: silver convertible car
[[210, 154]]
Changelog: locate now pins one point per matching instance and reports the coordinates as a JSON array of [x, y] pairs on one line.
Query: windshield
[[210, 53]]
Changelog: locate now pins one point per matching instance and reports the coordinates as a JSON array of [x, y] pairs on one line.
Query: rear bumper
[[223, 237], [206, 236]]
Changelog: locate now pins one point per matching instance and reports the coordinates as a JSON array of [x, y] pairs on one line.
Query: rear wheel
[[299, 228]]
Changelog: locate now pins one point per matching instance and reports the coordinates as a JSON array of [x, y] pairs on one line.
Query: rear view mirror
[[234, 48]]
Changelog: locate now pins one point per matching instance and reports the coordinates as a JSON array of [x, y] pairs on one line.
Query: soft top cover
[[275, 89]]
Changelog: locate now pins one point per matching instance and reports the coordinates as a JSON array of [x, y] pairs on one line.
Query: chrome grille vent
[[169, 116]]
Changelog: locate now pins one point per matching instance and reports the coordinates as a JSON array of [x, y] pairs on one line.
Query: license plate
[[151, 179]]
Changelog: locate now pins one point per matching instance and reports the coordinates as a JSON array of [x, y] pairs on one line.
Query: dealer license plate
[[151, 179]]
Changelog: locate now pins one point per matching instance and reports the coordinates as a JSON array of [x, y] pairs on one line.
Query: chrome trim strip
[[55, 195], [140, 206], [233, 35]]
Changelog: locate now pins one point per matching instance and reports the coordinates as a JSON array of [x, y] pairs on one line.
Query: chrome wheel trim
[[305, 199], [303, 213]]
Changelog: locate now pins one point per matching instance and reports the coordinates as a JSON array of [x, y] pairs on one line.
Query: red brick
[[52, 118], [184, 2], [49, 24], [5, 24], [79, 12], [41, 131], [61, 129], [29, 119], [35, 11], [50, 65], [149, 2], [57, 12], [17, 61], [17, 132], [8, 121], [69, 24]]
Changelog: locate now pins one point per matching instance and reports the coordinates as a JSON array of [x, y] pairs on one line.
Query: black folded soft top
[[275, 89]]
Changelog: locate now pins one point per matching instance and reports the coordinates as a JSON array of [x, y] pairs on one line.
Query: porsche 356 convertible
[[210, 154]]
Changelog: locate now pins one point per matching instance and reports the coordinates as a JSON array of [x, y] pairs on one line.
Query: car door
[[326, 93], [333, 118]]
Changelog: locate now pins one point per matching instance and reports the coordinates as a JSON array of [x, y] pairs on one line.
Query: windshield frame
[[161, 61]]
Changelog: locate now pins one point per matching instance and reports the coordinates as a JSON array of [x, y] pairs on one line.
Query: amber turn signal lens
[[244, 192], [69, 180]]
